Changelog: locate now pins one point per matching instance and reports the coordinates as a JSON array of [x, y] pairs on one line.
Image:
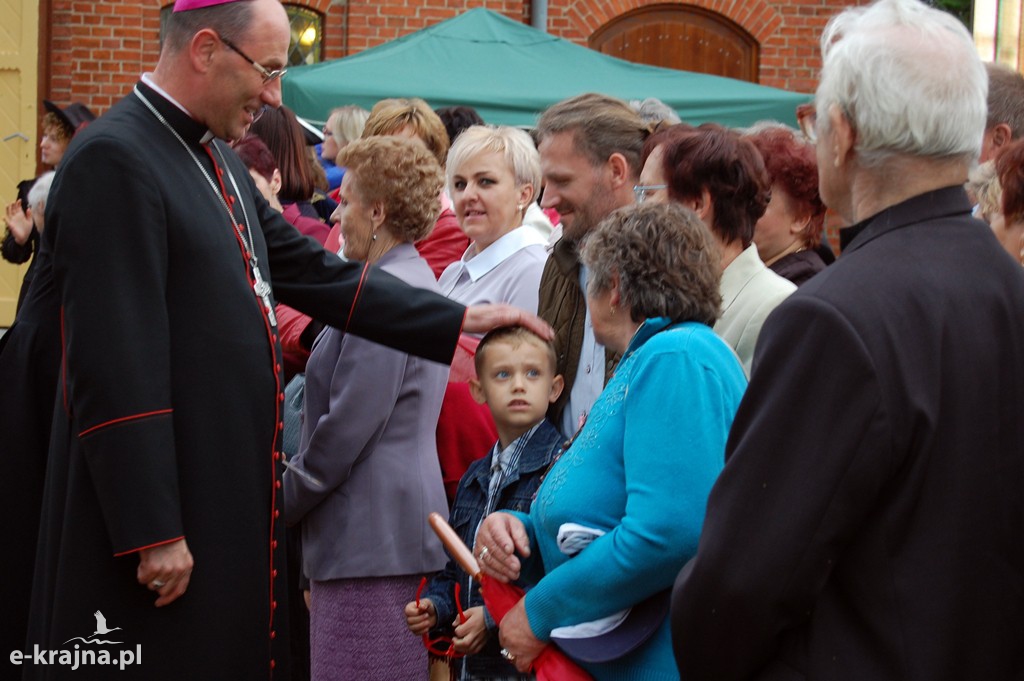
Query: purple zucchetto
[[186, 5]]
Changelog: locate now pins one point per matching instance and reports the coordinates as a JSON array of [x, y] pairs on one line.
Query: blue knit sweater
[[641, 470]]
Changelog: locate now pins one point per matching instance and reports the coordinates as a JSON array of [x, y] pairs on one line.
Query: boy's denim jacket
[[516, 494]]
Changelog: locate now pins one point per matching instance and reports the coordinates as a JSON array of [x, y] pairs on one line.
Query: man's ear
[[276, 182], [203, 46], [557, 385], [1001, 136], [618, 168], [477, 391], [844, 136]]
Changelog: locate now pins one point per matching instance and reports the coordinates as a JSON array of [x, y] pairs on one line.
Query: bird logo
[[101, 630]]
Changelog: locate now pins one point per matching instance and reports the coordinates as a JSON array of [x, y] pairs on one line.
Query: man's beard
[[599, 205]]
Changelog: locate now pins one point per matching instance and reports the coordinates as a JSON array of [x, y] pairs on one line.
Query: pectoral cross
[[262, 289]]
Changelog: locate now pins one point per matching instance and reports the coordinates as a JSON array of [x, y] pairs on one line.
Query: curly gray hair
[[667, 262]]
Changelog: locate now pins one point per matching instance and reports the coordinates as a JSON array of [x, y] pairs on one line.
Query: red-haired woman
[[790, 229], [1009, 224]]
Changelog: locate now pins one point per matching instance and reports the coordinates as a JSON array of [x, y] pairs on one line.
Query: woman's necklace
[[260, 286]]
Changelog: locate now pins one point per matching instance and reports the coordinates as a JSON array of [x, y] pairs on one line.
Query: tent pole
[[539, 14]]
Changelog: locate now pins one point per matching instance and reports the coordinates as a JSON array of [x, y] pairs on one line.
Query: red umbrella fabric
[[552, 664], [499, 597]]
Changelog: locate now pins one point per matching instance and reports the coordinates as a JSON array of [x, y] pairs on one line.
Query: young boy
[[516, 379]]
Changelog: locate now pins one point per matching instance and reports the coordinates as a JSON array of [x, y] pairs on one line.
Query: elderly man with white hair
[[869, 522], [37, 198]]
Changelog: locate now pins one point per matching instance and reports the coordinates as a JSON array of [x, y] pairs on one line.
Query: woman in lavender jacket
[[367, 475]]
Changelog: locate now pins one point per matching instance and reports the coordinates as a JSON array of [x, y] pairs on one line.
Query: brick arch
[[756, 17], [321, 6]]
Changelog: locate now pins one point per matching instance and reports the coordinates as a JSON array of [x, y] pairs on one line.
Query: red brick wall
[[99, 47], [790, 56], [786, 30], [371, 23]]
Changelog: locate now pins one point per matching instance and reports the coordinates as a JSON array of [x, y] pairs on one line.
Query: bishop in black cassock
[[170, 394]]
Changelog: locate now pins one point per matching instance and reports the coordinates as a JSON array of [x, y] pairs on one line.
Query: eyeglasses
[[269, 76], [640, 191], [807, 118]]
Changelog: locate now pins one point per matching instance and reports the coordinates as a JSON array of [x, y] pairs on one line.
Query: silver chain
[[249, 247]]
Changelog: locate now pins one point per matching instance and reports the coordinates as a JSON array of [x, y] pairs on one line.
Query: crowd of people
[[679, 436]]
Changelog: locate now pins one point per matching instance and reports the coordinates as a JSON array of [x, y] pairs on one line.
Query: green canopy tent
[[510, 72]]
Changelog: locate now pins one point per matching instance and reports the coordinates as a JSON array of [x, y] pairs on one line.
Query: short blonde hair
[[515, 145], [391, 115], [983, 183], [401, 174], [514, 335], [346, 123]]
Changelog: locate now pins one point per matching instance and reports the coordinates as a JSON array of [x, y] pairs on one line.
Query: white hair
[[40, 190], [766, 124], [514, 144], [909, 80], [652, 110]]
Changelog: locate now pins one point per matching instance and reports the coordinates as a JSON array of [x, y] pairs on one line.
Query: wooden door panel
[[680, 37]]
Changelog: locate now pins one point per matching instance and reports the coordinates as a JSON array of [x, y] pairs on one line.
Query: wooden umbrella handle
[[460, 552]]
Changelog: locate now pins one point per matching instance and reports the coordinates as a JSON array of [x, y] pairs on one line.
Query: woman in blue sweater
[[620, 512]]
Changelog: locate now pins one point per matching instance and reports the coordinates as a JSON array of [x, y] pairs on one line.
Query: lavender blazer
[[368, 435]]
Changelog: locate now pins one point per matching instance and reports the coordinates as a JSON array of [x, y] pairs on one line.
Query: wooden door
[[19, 35], [680, 37]]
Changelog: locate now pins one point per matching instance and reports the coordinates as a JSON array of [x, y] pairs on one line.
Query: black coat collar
[[945, 202], [191, 130]]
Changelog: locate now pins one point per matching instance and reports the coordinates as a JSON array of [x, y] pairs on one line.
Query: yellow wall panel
[[19, 46]]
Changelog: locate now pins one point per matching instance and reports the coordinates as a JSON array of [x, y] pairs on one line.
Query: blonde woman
[[344, 124], [414, 118], [492, 177]]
